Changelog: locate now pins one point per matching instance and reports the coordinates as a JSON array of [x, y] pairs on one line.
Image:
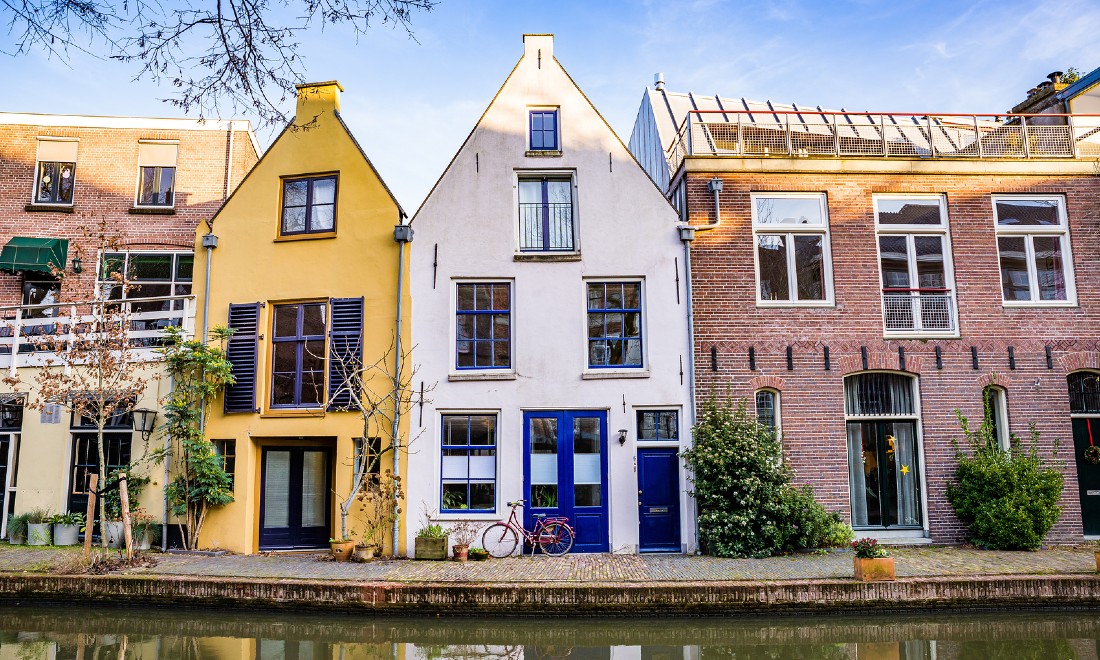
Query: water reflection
[[35, 633]]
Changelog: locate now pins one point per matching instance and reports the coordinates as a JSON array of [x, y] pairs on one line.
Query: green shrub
[[1007, 499], [432, 531], [747, 505]]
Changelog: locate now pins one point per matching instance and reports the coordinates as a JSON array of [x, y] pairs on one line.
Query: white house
[[550, 315]]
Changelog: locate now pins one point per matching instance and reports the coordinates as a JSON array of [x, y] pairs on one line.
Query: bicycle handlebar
[[517, 503]]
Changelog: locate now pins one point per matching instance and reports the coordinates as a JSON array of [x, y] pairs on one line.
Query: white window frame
[[37, 170], [595, 373], [486, 373], [552, 255], [175, 177], [458, 514], [999, 403], [778, 408], [942, 230], [1028, 233], [790, 231]]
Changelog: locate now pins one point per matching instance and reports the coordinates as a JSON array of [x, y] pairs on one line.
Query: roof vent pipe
[[1055, 76], [659, 81]]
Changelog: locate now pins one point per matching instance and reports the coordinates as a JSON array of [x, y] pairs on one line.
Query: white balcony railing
[[918, 310], [24, 328], [883, 135]]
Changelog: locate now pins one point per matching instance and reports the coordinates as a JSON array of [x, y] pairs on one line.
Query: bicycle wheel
[[500, 540], [556, 539]]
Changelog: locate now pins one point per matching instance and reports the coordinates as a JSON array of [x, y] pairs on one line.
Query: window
[[469, 467], [116, 449], [298, 355], [915, 262], [544, 130], [55, 177], [995, 406], [1084, 393], [309, 205], [156, 173], [614, 324], [1033, 245], [767, 409], [658, 425], [148, 280], [546, 214], [40, 292], [792, 251], [483, 325], [368, 456], [226, 450]]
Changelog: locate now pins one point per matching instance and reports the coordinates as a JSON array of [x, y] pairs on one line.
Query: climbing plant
[[199, 373]]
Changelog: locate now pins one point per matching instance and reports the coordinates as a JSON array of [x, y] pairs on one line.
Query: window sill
[[458, 515], [481, 375], [48, 208], [305, 237], [152, 210], [547, 256], [297, 412], [604, 374], [1037, 305], [540, 153], [782, 304], [920, 335]]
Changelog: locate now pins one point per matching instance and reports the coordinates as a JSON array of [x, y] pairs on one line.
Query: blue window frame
[[483, 325], [544, 130], [614, 324], [658, 425], [469, 466], [298, 355]]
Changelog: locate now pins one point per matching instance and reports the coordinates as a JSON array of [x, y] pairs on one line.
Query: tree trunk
[[103, 477]]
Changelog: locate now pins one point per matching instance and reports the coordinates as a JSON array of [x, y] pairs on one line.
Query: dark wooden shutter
[[345, 353], [242, 351]]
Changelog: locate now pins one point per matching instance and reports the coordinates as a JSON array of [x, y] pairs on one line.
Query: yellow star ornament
[[905, 469]]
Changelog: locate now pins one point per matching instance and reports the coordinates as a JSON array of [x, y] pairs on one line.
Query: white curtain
[[908, 473], [856, 476]]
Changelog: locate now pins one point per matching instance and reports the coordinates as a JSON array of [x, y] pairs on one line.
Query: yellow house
[[306, 261]]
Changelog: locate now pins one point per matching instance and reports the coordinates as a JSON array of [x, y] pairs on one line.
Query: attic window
[[309, 205], [544, 130]]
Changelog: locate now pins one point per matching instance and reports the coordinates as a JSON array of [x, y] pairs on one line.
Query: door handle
[[639, 492]]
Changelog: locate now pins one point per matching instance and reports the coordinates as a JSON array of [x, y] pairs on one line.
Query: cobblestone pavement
[[913, 561]]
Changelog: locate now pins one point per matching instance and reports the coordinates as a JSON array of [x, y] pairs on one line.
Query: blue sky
[[411, 104]]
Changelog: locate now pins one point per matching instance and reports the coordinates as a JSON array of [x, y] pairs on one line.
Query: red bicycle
[[552, 534]]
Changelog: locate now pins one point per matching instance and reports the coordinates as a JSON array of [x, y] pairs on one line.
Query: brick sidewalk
[[911, 562]]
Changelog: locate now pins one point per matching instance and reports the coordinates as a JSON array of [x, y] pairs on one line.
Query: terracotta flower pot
[[364, 553], [342, 549], [879, 569], [461, 552]]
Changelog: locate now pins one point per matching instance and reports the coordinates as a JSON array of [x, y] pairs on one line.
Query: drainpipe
[[209, 241], [402, 234]]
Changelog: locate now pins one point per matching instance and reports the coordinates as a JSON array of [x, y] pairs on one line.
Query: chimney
[[1055, 77], [315, 99], [659, 81], [539, 47]]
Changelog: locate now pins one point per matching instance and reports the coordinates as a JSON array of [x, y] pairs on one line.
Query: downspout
[[402, 233]]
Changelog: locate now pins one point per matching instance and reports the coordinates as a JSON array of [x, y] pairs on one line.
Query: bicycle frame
[[531, 538]]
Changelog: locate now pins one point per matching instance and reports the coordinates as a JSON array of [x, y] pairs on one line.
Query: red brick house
[[857, 278], [147, 183]]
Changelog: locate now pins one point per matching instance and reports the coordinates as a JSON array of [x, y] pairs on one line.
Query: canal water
[[72, 633]]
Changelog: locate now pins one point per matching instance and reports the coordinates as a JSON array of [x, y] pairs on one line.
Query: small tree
[[1008, 499], [199, 373], [747, 505]]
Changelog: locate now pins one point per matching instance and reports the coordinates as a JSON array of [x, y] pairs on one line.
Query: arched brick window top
[[879, 361], [767, 383], [1084, 392], [994, 378]]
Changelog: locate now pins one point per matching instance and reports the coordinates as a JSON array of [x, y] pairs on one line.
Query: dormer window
[[544, 130]]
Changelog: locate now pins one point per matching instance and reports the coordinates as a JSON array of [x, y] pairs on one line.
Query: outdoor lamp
[[78, 266], [622, 437], [145, 420]]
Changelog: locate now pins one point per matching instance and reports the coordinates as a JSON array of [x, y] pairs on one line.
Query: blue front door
[[658, 500], [565, 472]]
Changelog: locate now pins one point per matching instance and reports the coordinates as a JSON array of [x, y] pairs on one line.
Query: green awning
[[34, 254]]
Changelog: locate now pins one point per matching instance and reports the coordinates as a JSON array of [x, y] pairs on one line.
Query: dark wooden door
[[295, 498]]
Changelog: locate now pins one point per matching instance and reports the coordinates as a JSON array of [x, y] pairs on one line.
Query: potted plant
[[431, 542], [872, 562], [144, 529], [66, 528], [378, 508], [341, 548], [112, 501], [38, 527], [17, 529], [1096, 552], [464, 533], [478, 554]]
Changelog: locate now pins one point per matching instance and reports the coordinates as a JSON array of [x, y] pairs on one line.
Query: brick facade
[[728, 319], [106, 182]]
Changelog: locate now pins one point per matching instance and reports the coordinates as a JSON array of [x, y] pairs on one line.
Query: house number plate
[[664, 509], [1092, 492]]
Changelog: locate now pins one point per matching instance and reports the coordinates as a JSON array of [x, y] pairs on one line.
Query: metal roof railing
[[786, 133]]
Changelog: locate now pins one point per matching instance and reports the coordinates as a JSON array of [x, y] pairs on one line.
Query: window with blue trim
[[483, 326], [544, 130], [614, 324], [469, 471]]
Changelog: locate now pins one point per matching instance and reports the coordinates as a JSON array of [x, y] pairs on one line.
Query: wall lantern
[[622, 437], [145, 420], [78, 266]]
